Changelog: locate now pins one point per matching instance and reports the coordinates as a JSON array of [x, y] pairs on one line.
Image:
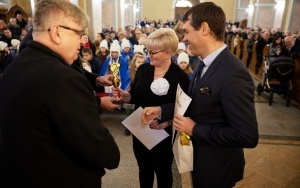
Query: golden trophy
[[115, 67], [184, 139]]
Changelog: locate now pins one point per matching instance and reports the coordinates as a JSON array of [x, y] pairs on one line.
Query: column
[[123, 6], [279, 13], [116, 16], [250, 11], [94, 10]]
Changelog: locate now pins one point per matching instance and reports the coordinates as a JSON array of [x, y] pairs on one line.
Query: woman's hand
[[155, 125], [119, 93]]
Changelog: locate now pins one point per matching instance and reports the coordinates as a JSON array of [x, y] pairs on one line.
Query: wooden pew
[[227, 40], [232, 44], [245, 52], [239, 49], [266, 52], [296, 81], [253, 59]]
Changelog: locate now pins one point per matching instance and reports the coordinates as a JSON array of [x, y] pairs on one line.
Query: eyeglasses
[[78, 32], [153, 53]]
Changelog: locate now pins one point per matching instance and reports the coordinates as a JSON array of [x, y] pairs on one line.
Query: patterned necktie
[[199, 71]]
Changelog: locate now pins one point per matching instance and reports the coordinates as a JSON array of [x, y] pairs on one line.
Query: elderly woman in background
[[155, 83]]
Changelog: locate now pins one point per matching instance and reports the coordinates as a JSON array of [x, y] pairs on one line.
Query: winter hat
[[183, 57], [15, 43], [2, 45], [115, 47], [139, 49], [181, 46], [103, 44], [125, 43]]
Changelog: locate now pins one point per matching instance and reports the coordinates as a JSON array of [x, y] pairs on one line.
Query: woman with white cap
[[183, 62], [126, 52], [103, 52]]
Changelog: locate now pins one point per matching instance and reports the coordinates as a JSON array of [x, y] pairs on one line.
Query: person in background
[[86, 65], [115, 57], [126, 52], [21, 22], [7, 37], [4, 58], [261, 43], [137, 60], [94, 62], [99, 38], [221, 118], [103, 52], [276, 46], [251, 40], [2, 27], [155, 83], [23, 33], [291, 47], [57, 136], [14, 27], [183, 62], [194, 60], [181, 48]]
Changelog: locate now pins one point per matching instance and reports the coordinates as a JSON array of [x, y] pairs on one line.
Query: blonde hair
[[164, 39], [188, 69], [132, 65], [48, 12]]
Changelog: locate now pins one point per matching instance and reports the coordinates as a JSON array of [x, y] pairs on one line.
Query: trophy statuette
[[115, 67]]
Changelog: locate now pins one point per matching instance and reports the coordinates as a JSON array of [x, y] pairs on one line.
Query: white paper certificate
[[182, 103], [149, 137]]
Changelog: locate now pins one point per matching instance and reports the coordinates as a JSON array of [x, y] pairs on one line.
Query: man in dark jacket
[[291, 47], [220, 119], [50, 131]]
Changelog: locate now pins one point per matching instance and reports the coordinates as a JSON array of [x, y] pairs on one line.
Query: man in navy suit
[[221, 118]]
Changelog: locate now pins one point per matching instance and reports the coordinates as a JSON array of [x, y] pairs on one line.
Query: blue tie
[[199, 71]]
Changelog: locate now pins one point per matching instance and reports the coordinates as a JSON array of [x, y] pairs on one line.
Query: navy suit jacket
[[225, 121]]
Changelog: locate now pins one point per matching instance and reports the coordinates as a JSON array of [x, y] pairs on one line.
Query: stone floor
[[274, 163]]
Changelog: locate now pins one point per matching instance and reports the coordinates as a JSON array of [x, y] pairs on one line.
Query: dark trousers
[[158, 160]]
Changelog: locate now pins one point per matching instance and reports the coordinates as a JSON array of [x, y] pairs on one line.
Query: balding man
[[292, 47]]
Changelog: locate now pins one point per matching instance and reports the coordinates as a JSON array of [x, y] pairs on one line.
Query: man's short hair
[[48, 12], [210, 13], [87, 50]]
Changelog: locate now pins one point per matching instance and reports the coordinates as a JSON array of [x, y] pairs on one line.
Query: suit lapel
[[209, 72]]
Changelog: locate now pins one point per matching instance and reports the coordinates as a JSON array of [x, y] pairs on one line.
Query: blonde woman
[[155, 84]]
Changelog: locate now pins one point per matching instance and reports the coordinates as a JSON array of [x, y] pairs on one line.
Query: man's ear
[[205, 28], [55, 34]]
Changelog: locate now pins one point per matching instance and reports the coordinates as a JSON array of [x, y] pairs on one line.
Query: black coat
[[51, 134]]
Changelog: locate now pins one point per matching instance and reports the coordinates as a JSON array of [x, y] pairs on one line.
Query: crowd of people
[[281, 43], [58, 80]]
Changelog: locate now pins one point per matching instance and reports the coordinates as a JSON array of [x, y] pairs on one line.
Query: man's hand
[[150, 113], [183, 124], [108, 103], [105, 80]]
